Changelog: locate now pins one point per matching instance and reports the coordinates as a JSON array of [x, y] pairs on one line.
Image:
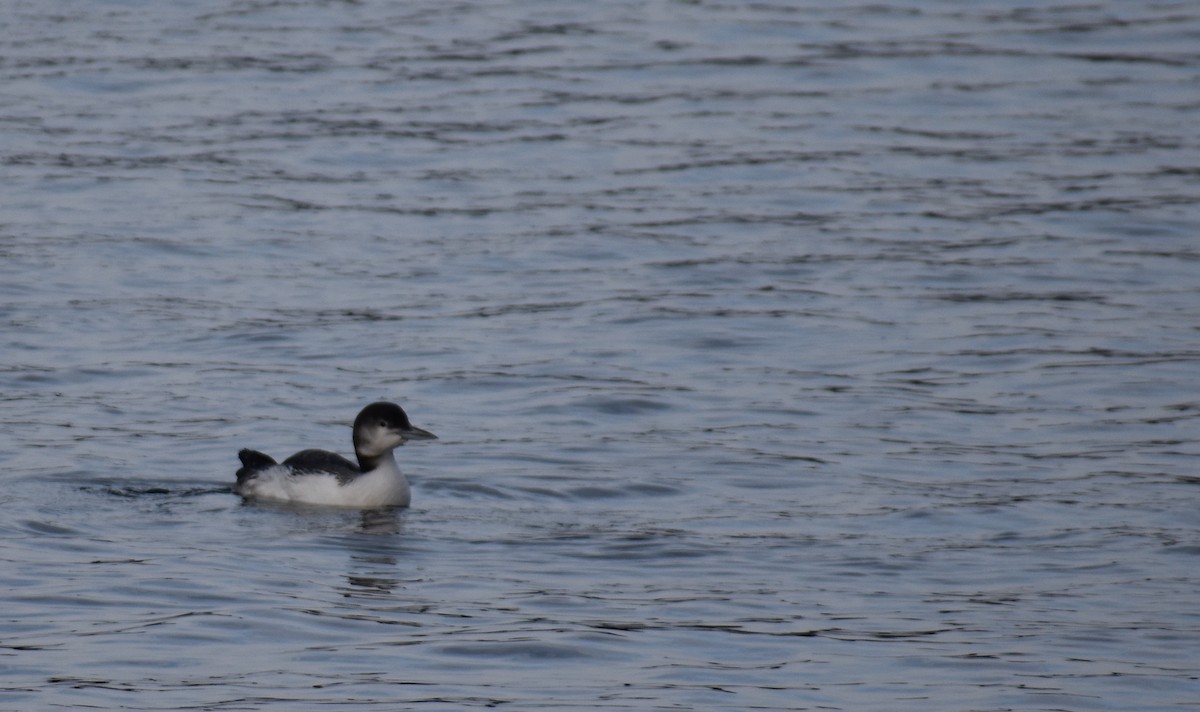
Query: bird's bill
[[416, 433]]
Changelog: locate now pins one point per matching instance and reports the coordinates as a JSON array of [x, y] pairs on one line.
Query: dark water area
[[784, 356]]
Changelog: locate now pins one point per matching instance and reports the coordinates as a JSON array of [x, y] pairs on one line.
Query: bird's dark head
[[384, 426]]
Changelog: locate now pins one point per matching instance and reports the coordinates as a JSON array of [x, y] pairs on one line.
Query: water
[[784, 356]]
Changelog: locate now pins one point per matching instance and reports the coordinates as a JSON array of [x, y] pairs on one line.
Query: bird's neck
[[367, 463]]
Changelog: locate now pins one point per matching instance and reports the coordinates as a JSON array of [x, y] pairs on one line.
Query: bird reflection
[[372, 563], [359, 585], [380, 521], [369, 578]]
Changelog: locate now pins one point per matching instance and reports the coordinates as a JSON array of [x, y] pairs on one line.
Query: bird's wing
[[323, 461]]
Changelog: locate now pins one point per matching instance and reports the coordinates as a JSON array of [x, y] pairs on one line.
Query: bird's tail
[[253, 462]]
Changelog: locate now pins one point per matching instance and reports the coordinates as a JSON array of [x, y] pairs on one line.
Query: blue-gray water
[[785, 356]]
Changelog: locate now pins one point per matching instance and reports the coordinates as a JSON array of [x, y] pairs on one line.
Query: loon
[[322, 477]]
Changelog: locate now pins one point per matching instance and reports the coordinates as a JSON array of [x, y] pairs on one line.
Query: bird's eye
[[383, 423]]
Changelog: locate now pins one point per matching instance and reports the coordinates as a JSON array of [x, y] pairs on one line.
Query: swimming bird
[[322, 477]]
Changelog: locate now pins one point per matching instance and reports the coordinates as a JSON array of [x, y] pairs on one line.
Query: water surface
[[784, 356]]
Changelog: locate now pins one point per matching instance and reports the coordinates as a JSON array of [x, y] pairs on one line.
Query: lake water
[[784, 356]]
